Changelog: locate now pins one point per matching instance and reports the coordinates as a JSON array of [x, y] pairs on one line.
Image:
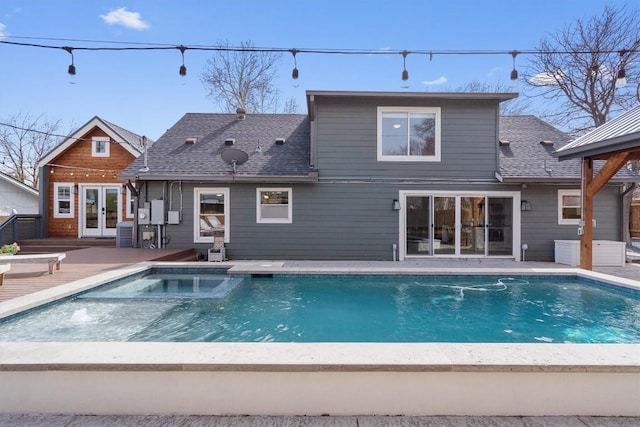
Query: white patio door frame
[[98, 226], [402, 241]]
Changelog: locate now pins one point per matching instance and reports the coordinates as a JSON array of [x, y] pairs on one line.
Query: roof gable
[[21, 185], [128, 140]]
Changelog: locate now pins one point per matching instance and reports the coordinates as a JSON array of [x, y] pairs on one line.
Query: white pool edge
[[317, 378]]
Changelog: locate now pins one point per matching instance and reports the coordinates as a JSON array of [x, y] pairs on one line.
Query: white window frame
[[561, 219], [57, 200], [129, 206], [287, 220], [408, 158], [94, 146], [197, 192]]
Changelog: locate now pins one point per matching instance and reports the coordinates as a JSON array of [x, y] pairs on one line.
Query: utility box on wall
[[157, 212]]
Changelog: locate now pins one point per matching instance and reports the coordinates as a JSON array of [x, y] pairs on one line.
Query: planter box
[[605, 252]]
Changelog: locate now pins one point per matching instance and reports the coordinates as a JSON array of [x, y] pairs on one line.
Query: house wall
[[540, 225], [81, 167], [13, 197], [347, 141]]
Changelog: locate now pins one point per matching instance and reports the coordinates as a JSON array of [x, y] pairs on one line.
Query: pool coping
[[312, 357]]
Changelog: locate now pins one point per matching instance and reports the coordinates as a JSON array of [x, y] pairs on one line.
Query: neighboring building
[[16, 197], [82, 195], [366, 175]]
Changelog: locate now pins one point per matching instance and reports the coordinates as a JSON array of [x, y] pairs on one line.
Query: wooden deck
[[24, 279]]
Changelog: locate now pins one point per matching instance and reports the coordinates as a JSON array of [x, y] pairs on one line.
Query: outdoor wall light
[[525, 205], [75, 188], [396, 205]]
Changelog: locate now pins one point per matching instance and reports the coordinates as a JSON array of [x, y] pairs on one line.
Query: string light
[[514, 72], [294, 73], [404, 53], [405, 73], [622, 73], [72, 68], [183, 69]]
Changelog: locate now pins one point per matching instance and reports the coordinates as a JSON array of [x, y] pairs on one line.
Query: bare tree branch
[[242, 79], [513, 107], [24, 140], [580, 87]]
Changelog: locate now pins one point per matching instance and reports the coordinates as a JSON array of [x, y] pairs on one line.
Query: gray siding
[[347, 141], [540, 225]]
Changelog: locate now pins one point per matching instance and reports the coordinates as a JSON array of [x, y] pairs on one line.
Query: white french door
[[471, 224], [100, 210]]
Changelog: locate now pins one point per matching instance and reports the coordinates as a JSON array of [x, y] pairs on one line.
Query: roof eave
[[142, 176], [620, 143]]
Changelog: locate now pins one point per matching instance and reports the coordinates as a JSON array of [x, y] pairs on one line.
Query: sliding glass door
[[458, 225]]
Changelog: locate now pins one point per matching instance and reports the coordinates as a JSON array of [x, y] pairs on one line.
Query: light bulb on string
[[183, 69]]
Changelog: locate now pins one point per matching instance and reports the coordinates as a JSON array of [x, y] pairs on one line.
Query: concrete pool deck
[[314, 379]]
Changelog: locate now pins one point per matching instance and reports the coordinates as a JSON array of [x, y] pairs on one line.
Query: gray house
[[369, 176]]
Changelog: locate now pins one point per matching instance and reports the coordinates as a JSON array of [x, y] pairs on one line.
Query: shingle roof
[[132, 138], [171, 157], [526, 159]]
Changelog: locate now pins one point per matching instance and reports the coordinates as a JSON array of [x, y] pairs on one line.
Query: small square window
[[569, 207], [100, 146], [273, 206]]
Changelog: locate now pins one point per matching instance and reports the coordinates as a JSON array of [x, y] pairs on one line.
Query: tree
[[513, 107], [576, 69], [24, 140], [242, 78]]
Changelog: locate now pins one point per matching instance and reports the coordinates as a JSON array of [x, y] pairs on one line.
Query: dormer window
[[409, 134], [100, 146]]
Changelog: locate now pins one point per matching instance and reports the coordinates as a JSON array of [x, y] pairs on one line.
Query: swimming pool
[[194, 306], [335, 378]]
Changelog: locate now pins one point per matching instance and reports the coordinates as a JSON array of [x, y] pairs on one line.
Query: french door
[[475, 225], [100, 210]]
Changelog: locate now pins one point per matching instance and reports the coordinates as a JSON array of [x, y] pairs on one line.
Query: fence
[[634, 221], [20, 227]]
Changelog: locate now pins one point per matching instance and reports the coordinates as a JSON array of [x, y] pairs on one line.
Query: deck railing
[[20, 227]]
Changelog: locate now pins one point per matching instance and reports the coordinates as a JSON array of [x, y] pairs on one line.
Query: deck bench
[[54, 259], [3, 269]]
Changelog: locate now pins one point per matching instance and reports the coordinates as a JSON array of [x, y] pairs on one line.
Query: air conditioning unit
[[124, 234]]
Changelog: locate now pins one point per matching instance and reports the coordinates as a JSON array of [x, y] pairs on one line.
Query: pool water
[[184, 307]]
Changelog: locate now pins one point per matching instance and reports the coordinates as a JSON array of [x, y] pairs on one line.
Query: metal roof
[[620, 133]]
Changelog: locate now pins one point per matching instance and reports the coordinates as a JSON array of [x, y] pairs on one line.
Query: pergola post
[[586, 239]]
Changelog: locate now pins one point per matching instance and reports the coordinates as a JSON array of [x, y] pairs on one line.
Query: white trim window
[[100, 146], [130, 205], [273, 206], [63, 200], [211, 214], [569, 207], [409, 134]]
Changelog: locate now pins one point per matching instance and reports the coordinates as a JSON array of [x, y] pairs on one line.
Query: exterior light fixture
[[514, 72], [405, 73], [525, 206], [183, 69], [294, 73], [72, 68], [396, 205]]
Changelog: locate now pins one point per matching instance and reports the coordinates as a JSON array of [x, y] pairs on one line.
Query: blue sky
[[143, 92]]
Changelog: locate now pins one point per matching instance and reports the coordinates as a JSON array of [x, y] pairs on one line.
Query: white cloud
[[439, 81], [3, 33], [546, 78], [125, 18]]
